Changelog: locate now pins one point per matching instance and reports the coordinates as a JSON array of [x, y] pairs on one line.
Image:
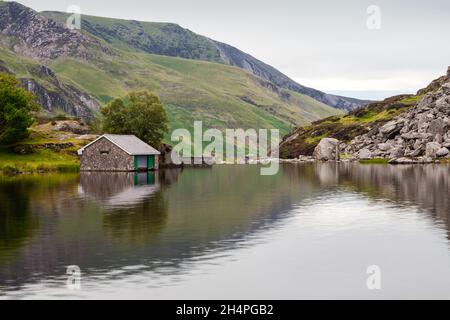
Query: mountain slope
[[76, 71], [172, 40]]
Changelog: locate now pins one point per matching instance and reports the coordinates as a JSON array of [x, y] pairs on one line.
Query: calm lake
[[224, 232]]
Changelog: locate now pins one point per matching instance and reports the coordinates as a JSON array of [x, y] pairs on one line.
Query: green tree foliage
[[143, 115], [16, 108]]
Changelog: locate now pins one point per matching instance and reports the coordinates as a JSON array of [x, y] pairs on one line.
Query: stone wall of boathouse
[[103, 155]]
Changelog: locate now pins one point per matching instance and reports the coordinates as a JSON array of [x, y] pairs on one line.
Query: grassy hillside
[[221, 96], [111, 64], [170, 39]]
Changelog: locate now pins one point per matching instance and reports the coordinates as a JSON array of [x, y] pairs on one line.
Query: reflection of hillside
[[427, 186], [204, 210]]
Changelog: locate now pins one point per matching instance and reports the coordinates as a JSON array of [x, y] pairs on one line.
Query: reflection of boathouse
[[116, 189], [118, 153]]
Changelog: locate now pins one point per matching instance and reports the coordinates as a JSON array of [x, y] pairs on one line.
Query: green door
[[136, 163], [150, 162]]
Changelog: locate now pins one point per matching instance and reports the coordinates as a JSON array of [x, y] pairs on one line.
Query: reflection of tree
[[168, 177], [22, 199], [16, 221]]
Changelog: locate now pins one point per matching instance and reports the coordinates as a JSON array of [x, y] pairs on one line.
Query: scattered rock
[[436, 127], [305, 159], [402, 161], [365, 154], [442, 152], [422, 130], [71, 126], [384, 146], [391, 128], [431, 149], [396, 152]]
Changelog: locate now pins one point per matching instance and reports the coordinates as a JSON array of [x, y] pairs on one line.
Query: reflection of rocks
[[423, 185], [327, 173]]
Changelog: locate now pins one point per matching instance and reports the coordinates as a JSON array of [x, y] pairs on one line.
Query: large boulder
[[365, 154], [327, 149], [384, 146], [442, 152], [392, 128], [431, 149]]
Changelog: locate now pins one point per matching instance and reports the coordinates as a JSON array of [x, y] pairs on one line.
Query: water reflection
[[16, 221], [118, 190], [109, 221], [425, 186]]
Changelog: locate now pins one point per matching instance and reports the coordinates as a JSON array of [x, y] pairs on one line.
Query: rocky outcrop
[[303, 140], [62, 97], [327, 150], [419, 134], [28, 32], [72, 126]]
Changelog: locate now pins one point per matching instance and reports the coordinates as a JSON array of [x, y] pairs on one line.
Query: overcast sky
[[322, 44]]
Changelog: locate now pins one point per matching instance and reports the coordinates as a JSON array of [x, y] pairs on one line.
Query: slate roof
[[128, 143]]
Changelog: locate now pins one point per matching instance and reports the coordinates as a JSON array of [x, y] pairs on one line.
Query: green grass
[[411, 100], [375, 161], [221, 96], [372, 116], [42, 158], [41, 161]]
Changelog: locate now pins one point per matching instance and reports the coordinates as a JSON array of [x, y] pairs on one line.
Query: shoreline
[[71, 164]]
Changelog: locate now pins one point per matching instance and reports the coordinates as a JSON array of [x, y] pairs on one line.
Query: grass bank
[[46, 150], [40, 161]]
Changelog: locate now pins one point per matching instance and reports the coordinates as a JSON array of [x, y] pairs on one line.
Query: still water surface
[[311, 231]]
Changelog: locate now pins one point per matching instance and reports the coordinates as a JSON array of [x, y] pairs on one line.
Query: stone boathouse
[[112, 152]]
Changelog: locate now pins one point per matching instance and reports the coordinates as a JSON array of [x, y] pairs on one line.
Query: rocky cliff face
[[61, 97], [34, 35], [26, 32], [422, 132]]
